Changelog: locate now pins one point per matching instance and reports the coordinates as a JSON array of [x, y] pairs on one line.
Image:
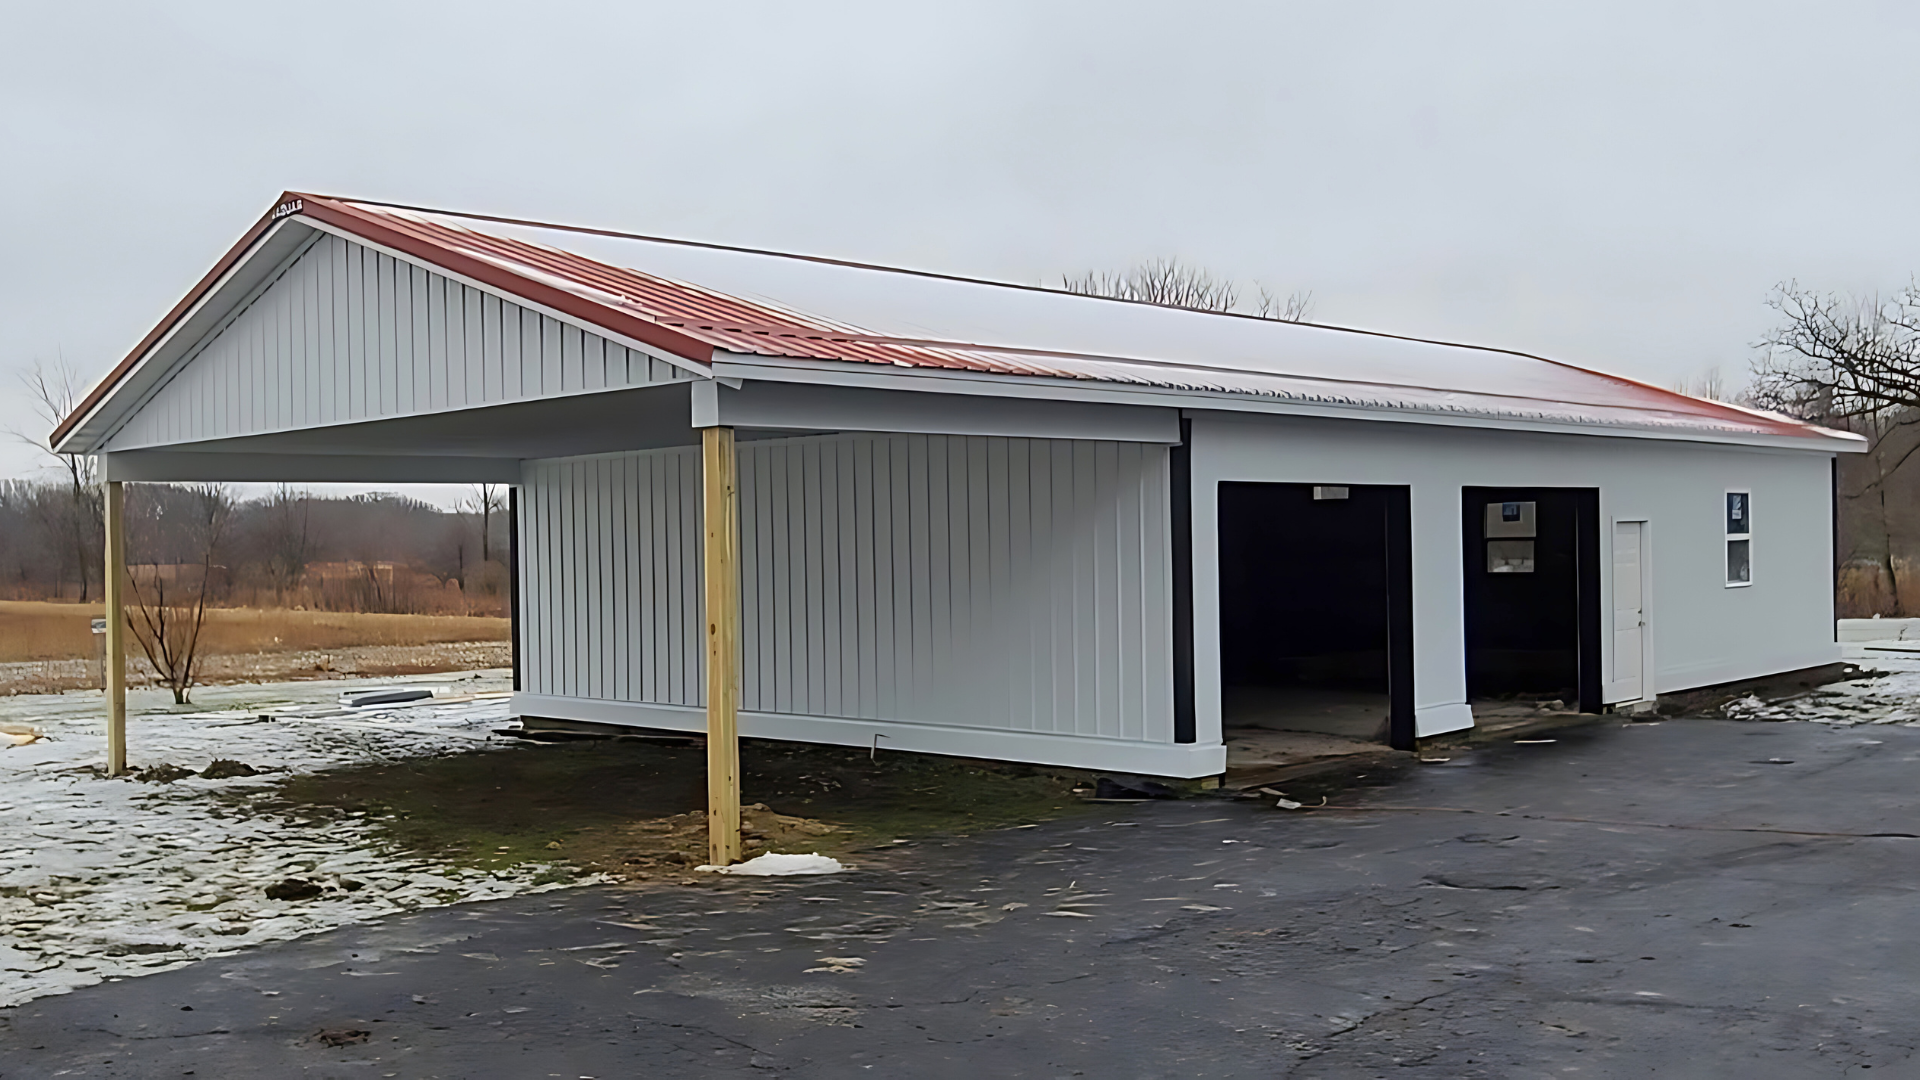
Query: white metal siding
[[346, 333], [1700, 631], [1006, 583]]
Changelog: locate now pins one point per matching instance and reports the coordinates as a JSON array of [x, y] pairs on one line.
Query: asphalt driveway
[[1688, 898]]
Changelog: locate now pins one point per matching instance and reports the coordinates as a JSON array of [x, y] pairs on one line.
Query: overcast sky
[[1618, 187]]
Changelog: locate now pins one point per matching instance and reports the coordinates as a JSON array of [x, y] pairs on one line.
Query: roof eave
[[1807, 438]]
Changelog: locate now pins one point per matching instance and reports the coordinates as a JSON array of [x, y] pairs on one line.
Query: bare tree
[[1295, 307], [1167, 282], [487, 500], [1853, 363], [1835, 357], [286, 538], [1709, 384], [180, 530], [76, 517], [1171, 283]]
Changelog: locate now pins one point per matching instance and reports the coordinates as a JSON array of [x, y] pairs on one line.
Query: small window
[[1738, 518], [1739, 538]]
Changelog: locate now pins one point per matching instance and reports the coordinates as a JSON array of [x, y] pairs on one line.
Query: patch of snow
[[1889, 698], [775, 865], [104, 879]]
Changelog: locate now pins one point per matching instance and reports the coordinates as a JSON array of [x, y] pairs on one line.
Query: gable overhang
[[281, 236]]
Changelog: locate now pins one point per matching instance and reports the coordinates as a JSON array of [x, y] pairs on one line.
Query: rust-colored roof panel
[[690, 300]]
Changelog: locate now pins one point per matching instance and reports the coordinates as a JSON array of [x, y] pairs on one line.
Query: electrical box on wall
[[1510, 519], [1510, 531]]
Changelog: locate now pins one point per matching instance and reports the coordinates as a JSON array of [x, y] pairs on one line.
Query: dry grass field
[[36, 630]]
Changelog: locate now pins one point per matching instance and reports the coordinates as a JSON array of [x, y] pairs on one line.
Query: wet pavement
[[1690, 898]]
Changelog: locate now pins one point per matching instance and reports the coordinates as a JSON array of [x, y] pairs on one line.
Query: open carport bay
[[1689, 898]]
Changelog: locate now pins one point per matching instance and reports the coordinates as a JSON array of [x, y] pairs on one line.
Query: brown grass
[[42, 630]]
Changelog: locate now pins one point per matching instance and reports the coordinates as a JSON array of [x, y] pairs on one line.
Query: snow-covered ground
[[1890, 698], [108, 878]]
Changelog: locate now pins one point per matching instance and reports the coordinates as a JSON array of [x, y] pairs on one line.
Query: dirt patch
[[637, 810]]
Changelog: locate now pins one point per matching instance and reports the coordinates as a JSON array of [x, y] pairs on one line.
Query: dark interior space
[[1312, 631], [1532, 589]]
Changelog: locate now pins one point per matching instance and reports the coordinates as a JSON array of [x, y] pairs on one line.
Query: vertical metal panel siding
[[1017, 584], [346, 333]]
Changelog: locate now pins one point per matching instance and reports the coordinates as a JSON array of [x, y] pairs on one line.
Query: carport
[[809, 499]]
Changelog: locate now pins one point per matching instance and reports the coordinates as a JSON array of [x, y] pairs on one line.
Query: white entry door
[[1629, 612]]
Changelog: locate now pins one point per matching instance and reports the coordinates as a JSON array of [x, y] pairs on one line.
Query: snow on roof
[[703, 301]]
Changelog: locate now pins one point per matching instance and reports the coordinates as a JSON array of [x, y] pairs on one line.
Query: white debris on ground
[[773, 864], [1892, 696], [104, 878]]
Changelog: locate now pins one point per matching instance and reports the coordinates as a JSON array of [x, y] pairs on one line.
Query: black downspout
[[1180, 465], [1399, 523], [1586, 548], [1833, 500], [513, 579]]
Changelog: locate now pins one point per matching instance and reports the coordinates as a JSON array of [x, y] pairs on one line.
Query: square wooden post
[[113, 586], [722, 563]]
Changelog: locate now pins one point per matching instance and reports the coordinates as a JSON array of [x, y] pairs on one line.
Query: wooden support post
[[113, 586], [722, 556]]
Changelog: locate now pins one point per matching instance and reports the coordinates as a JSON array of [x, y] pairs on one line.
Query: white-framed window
[[1739, 523]]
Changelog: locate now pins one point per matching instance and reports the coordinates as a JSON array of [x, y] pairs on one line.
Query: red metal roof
[[693, 321]]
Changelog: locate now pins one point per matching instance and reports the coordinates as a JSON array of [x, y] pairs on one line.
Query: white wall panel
[[982, 582], [346, 333], [1701, 632]]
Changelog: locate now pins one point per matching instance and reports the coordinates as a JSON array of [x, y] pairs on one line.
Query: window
[[1739, 538]]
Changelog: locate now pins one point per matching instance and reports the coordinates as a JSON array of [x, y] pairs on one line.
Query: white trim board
[[1440, 719], [815, 407], [1181, 760], [749, 367], [181, 466]]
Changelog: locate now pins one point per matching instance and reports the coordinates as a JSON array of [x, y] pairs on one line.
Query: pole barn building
[[961, 517]]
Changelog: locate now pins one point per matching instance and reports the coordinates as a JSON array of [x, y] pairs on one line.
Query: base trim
[[1440, 719], [1181, 760]]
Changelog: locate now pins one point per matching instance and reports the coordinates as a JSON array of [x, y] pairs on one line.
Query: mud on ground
[[637, 809]]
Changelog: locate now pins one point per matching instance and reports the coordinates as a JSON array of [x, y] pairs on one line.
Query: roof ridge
[[855, 264]]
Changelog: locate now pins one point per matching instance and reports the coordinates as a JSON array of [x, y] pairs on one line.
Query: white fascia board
[[1182, 760], [692, 367], [224, 444], [181, 467], [142, 382], [954, 381], [806, 406]]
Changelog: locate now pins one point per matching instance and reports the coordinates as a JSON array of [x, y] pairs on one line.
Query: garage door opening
[[1316, 616], [1533, 595]]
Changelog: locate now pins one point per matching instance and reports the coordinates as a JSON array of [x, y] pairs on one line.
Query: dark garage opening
[[1316, 627], [1532, 581]]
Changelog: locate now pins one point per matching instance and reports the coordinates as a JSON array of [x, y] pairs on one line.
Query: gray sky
[[1618, 186]]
